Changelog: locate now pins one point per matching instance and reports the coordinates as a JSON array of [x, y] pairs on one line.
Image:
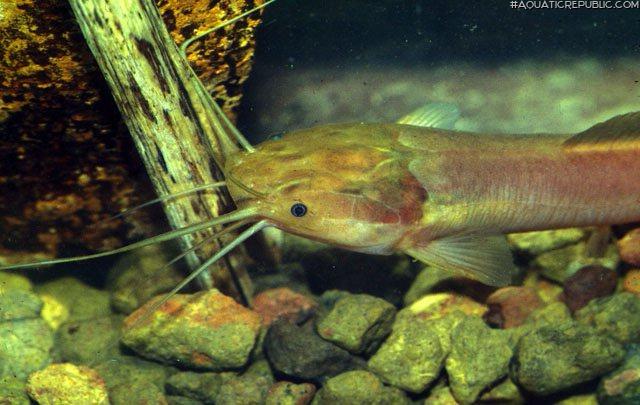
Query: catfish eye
[[298, 210]]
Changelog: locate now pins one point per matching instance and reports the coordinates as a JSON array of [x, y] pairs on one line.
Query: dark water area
[[375, 61], [405, 32]]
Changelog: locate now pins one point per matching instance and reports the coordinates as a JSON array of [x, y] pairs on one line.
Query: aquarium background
[[509, 70]]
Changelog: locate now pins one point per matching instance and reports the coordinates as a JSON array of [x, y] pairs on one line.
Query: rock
[[128, 370], [588, 283], [200, 386], [283, 303], [433, 306], [506, 392], [548, 291], [617, 316], [560, 264], [141, 275], [138, 392], [538, 242], [206, 330], [66, 383], [288, 393], [510, 306], [581, 399], [69, 299], [25, 347], [553, 358], [13, 281], [412, 356], [555, 313], [13, 391], [178, 400], [299, 352], [89, 341], [358, 387], [16, 305], [631, 282], [440, 394], [428, 279], [357, 323], [248, 388], [479, 357], [629, 247], [622, 385]]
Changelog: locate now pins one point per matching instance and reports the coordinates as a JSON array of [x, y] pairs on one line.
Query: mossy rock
[[557, 357]]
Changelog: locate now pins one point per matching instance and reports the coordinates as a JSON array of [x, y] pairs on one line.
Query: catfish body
[[441, 196]]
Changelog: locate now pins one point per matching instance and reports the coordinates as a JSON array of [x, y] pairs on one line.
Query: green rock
[[178, 400], [617, 316], [413, 355], [358, 387], [288, 393], [622, 385], [479, 357], [69, 299], [207, 330], [89, 341], [506, 392], [19, 304], [13, 391], [138, 392], [538, 242], [248, 388], [580, 399], [427, 279], [357, 323], [557, 357], [10, 280], [141, 275], [554, 313], [66, 383], [24, 347], [440, 395], [131, 370], [201, 386], [560, 264]]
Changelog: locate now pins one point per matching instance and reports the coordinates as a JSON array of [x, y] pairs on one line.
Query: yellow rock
[[54, 312], [67, 383]]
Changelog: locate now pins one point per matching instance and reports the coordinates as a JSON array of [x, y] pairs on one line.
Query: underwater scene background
[[327, 326]]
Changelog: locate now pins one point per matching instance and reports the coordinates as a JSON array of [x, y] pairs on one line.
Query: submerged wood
[[163, 104]]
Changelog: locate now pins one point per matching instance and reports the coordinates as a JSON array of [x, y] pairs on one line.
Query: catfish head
[[342, 184]]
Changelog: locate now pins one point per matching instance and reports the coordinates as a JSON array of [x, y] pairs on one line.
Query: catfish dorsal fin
[[485, 258], [433, 115], [619, 130]]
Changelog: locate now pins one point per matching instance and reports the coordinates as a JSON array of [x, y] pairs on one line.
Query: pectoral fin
[[485, 258], [433, 115]]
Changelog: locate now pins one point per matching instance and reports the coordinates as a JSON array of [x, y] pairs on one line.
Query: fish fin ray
[[621, 128], [433, 115], [485, 258]]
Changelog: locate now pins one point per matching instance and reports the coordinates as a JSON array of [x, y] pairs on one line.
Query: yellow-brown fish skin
[[381, 188], [513, 183]]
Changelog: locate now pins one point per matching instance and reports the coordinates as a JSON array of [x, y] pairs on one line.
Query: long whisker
[[186, 43], [223, 219], [218, 111], [257, 227], [168, 197], [203, 242], [234, 131]]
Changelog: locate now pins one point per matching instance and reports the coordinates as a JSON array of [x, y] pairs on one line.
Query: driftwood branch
[[163, 104]]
